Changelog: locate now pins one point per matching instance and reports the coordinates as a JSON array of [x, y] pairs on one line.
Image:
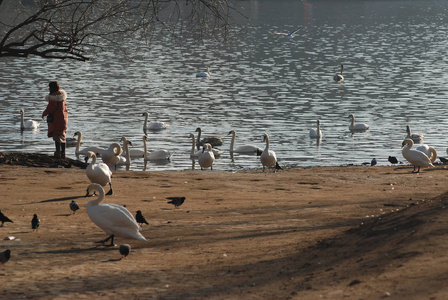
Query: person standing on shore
[[57, 117]]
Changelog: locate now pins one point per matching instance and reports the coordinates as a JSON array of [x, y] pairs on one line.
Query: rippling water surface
[[394, 53]]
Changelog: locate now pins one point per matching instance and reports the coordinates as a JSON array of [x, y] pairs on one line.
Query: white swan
[[316, 132], [429, 151], [111, 155], [155, 155], [244, 148], [358, 126], [212, 140], [114, 219], [338, 77], [415, 157], [268, 157], [97, 150], [205, 74], [98, 172], [153, 125], [206, 158], [416, 137], [28, 124]]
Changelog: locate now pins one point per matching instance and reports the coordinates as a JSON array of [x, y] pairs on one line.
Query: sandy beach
[[348, 232]]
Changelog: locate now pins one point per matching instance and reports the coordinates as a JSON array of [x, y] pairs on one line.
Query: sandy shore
[[314, 233]]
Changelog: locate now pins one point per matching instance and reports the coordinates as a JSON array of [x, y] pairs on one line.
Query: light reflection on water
[[394, 54]]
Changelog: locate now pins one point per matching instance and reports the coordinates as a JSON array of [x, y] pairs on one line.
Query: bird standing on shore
[[124, 249], [415, 157], [4, 219], [140, 218], [74, 206], [393, 160], [176, 201], [5, 256], [35, 222]]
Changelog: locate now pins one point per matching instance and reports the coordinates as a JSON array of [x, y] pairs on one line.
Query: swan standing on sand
[[248, 149], [268, 158], [316, 133], [416, 137], [97, 150], [205, 74], [206, 158], [114, 219], [429, 151], [338, 77], [415, 157], [28, 124], [125, 159], [358, 126], [111, 156], [153, 125], [212, 140], [98, 172]]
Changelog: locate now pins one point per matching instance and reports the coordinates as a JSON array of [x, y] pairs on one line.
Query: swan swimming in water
[[357, 127], [338, 77], [28, 124], [416, 137], [154, 126], [98, 172], [415, 157], [268, 158], [248, 149], [205, 74], [97, 150], [212, 140], [114, 219], [157, 155], [206, 158], [316, 132], [429, 151]]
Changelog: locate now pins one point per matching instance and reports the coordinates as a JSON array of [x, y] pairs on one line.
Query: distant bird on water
[[5, 256], [393, 160], [176, 201], [74, 206], [140, 218], [125, 249], [338, 77], [4, 219], [35, 222]]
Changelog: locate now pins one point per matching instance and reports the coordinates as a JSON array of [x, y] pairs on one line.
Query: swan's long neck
[[78, 142], [199, 135], [22, 119], [193, 144], [99, 199], [232, 142], [146, 121], [433, 154], [353, 120], [117, 149], [408, 129], [93, 158], [318, 126], [342, 68], [144, 149], [267, 142], [128, 155]]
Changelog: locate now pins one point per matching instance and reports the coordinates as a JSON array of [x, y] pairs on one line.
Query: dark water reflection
[[394, 53]]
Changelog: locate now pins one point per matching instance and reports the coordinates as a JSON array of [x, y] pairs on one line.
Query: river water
[[395, 69]]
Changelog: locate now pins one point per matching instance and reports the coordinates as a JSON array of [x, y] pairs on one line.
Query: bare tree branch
[[71, 29]]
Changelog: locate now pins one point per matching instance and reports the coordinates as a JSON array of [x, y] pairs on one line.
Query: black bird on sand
[[35, 222], [4, 219], [443, 160], [393, 160], [125, 249], [4, 256], [176, 201], [74, 206], [140, 218], [373, 162]]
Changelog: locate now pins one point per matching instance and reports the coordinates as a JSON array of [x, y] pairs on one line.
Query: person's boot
[[63, 150], [57, 153]]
